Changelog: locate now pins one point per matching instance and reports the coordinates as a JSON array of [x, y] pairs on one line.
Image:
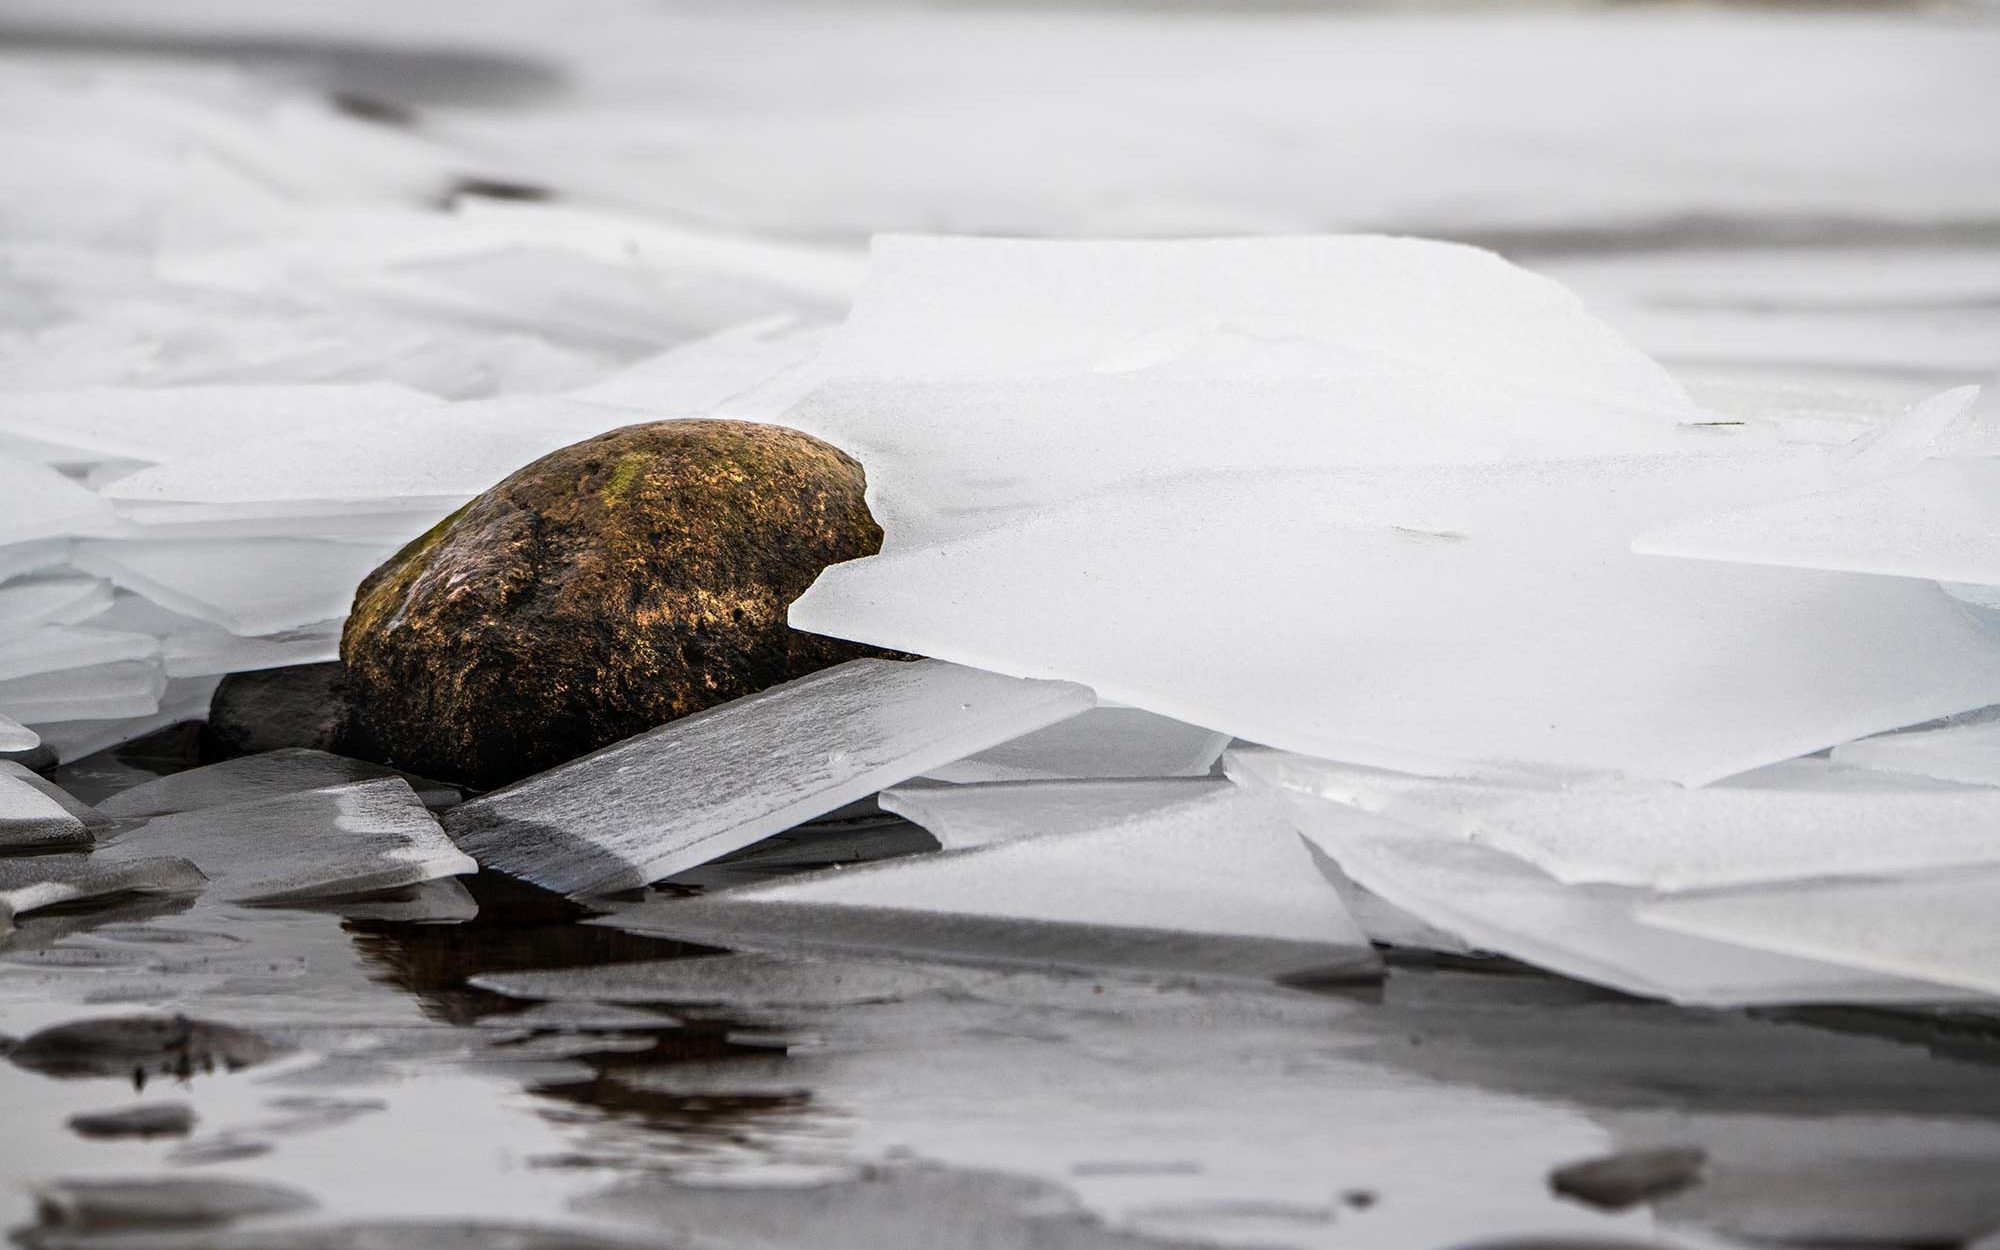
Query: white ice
[[121, 688], [29, 883], [246, 586], [1102, 742], [35, 815], [982, 813], [51, 648], [1943, 929], [315, 844], [701, 787], [1967, 752], [1217, 883], [60, 600], [14, 736], [1437, 619], [36, 502], [1802, 820]]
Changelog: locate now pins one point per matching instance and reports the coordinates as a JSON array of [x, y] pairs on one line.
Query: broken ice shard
[[1102, 742], [1968, 752], [14, 736], [1802, 819], [316, 844], [35, 813], [1436, 619], [249, 778], [964, 816], [1218, 884], [29, 883], [247, 586], [37, 502], [690, 791]]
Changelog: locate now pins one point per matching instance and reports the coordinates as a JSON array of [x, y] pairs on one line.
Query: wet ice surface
[[541, 1073]]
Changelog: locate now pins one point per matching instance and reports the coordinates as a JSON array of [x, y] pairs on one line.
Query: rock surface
[[299, 706], [608, 587]]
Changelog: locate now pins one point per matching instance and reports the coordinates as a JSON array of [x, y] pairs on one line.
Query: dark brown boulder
[[604, 589]]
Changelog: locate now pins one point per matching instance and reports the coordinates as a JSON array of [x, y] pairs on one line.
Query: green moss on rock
[[606, 588]]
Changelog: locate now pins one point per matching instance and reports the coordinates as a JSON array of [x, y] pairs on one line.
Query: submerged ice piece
[[36, 813], [1798, 820], [1102, 742], [316, 844], [28, 883], [1219, 884], [699, 788], [1436, 619], [253, 777]]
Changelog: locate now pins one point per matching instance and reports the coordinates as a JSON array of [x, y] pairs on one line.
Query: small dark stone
[[1624, 1180], [605, 589], [151, 1119], [305, 705], [36, 759], [141, 1047]]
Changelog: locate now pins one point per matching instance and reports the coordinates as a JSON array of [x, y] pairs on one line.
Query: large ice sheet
[[35, 814], [246, 586], [1967, 752], [1102, 742], [1219, 883], [250, 778], [687, 792], [1940, 929], [1500, 903], [1802, 820], [979, 814], [168, 423], [1436, 619], [36, 502], [346, 839], [698, 377]]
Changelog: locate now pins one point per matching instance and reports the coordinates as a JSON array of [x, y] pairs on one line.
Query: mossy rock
[[609, 587]]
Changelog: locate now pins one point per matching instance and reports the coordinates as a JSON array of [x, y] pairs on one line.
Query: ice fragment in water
[[699, 788], [1436, 619], [14, 736], [722, 980], [963, 816], [1218, 884], [37, 813], [253, 777], [1944, 930], [1798, 820], [247, 586], [316, 844], [1968, 752], [183, 699], [38, 502], [1499, 903], [1102, 742], [31, 882]]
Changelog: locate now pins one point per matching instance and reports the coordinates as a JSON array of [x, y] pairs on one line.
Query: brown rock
[[606, 588]]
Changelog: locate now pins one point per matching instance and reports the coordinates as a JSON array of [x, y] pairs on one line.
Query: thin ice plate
[[1102, 742]]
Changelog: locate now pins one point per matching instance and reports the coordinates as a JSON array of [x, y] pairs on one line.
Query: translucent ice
[[1500, 903], [37, 502], [1968, 752], [247, 586], [715, 782], [1218, 884], [1800, 820], [52, 648], [1102, 742], [962, 816], [29, 883], [315, 844], [1940, 929], [1436, 619], [249, 778], [35, 813], [99, 691], [46, 600], [182, 699]]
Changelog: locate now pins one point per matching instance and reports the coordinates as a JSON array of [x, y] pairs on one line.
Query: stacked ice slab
[[1410, 526]]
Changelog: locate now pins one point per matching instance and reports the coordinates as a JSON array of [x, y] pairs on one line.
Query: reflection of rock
[[150, 1119], [166, 1202], [1626, 1180], [141, 1047], [609, 587]]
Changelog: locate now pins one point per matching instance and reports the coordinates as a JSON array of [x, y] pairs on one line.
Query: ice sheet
[[979, 814], [1802, 820], [29, 883], [246, 586], [121, 688], [346, 839], [31, 557], [1436, 619], [62, 600], [1500, 903], [1968, 752], [698, 788], [1940, 929], [35, 815], [53, 648], [697, 377], [36, 502], [201, 652], [1102, 742], [183, 699], [158, 424], [253, 777], [1218, 884]]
